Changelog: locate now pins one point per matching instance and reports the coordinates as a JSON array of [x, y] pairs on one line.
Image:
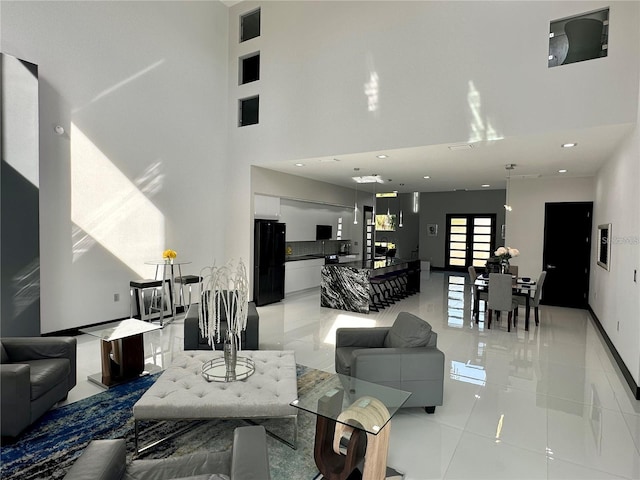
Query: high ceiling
[[466, 168]]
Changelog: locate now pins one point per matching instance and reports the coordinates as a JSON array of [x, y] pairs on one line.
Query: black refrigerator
[[269, 254]]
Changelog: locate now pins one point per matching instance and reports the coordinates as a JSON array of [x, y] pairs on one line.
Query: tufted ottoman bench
[[181, 393]]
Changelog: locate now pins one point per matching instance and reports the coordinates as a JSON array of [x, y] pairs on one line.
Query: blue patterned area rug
[[48, 448]]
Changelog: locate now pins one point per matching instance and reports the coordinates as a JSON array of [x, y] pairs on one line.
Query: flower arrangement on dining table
[[505, 253]]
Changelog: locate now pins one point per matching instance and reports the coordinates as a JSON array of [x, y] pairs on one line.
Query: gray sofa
[[247, 460], [193, 340], [35, 374], [403, 356]]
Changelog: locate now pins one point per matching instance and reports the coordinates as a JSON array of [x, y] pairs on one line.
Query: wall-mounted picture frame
[[604, 245], [432, 229]]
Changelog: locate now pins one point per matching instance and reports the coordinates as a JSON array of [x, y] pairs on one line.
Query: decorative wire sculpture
[[225, 294]]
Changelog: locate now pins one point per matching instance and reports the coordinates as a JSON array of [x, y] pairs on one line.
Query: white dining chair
[[501, 297], [535, 301]]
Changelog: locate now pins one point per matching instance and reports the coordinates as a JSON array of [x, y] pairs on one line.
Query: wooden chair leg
[[489, 320], [535, 312], [509, 321]]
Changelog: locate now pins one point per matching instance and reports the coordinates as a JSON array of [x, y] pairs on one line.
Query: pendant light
[[355, 204], [508, 167], [400, 204]]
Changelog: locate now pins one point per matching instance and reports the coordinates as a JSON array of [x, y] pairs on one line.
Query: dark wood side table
[[122, 350]]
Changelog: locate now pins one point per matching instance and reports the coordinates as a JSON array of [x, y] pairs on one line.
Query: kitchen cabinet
[[302, 274]]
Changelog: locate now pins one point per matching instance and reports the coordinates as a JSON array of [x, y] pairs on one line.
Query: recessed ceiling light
[[562, 170], [485, 185], [299, 164], [459, 147], [427, 177], [382, 156], [569, 145]]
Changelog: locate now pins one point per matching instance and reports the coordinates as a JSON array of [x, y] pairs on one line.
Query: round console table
[[215, 370]]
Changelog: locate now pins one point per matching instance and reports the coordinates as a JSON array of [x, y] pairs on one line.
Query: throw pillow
[[408, 331]]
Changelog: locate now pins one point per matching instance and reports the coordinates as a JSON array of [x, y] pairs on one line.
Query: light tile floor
[[545, 404]]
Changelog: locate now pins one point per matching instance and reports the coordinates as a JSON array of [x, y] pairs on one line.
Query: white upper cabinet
[[266, 207]]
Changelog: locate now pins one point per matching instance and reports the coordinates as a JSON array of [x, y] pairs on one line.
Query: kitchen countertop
[[295, 258], [312, 256], [376, 264]]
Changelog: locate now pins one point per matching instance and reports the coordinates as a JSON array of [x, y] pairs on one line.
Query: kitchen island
[[348, 286]]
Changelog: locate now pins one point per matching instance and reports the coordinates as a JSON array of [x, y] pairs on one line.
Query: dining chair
[[478, 294], [501, 296], [535, 302]]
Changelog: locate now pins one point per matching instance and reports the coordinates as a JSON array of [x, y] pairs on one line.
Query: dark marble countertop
[[312, 256], [375, 264], [295, 258]]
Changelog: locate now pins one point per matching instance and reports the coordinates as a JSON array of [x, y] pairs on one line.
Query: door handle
[[551, 267]]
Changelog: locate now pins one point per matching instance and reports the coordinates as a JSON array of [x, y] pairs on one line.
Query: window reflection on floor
[[455, 300]]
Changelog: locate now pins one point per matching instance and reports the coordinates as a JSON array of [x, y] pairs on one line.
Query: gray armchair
[[247, 460], [403, 356], [35, 374]]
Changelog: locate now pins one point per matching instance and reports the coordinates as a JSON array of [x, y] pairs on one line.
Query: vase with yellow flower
[[169, 255]]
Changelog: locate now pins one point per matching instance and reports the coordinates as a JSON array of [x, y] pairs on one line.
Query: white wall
[[141, 90], [435, 206], [438, 64], [525, 223], [613, 295], [302, 217]]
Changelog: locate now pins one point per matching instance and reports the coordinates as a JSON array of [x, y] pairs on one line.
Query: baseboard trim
[[623, 368]]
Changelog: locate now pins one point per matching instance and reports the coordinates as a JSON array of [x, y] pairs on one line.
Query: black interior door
[[567, 251]]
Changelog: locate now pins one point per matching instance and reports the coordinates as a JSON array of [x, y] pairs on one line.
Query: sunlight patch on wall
[[344, 320], [111, 209], [372, 87], [122, 83], [27, 284], [480, 129]]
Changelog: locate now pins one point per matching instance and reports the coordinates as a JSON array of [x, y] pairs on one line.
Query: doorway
[[566, 254], [471, 240]]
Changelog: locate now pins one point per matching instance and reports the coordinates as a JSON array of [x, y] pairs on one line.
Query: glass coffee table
[[353, 425], [122, 350]]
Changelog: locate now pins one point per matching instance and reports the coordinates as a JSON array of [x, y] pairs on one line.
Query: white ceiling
[[484, 163]]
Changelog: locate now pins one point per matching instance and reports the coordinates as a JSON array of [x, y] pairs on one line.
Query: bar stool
[[142, 286], [189, 280]]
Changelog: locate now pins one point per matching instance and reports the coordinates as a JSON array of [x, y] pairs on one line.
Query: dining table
[[522, 286], [168, 268]]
